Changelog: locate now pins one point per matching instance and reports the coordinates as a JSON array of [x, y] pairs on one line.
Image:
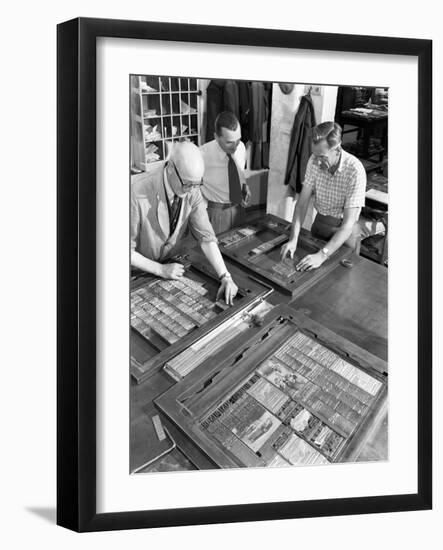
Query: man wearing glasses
[[337, 181], [163, 203]]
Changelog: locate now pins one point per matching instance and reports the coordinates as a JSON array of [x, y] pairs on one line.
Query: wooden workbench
[[350, 301], [353, 303]]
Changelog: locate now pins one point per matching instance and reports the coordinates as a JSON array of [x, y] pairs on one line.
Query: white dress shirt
[[215, 180]]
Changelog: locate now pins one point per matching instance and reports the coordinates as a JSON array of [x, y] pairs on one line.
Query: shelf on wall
[[174, 106]]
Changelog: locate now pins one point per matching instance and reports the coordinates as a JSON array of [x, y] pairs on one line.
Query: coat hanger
[[307, 92]]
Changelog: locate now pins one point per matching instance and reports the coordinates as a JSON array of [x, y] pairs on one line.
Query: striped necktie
[[174, 212]]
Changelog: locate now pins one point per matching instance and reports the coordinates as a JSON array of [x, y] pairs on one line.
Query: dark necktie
[[174, 212], [234, 182]]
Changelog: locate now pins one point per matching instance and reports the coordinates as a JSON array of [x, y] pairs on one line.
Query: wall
[[28, 284], [281, 201]]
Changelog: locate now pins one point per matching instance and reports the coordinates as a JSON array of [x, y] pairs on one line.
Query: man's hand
[[246, 193], [288, 248], [171, 271], [311, 261], [229, 289]]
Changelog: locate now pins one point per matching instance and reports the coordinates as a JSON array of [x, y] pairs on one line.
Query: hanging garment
[[267, 125], [300, 144], [244, 95], [259, 124], [250, 102], [221, 95], [231, 101], [258, 111], [214, 105]]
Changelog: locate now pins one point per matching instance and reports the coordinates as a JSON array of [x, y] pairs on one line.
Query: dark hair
[[226, 119], [330, 131]]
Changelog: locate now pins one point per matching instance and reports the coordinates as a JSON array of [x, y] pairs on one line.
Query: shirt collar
[[220, 151], [341, 163]]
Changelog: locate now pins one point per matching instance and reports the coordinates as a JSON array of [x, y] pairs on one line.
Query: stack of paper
[[151, 154]]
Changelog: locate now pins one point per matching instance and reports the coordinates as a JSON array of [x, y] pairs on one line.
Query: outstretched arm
[[166, 271], [297, 221], [312, 261], [227, 288]]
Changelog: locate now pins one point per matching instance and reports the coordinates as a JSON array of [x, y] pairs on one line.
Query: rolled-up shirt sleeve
[[355, 196], [198, 221], [241, 161]]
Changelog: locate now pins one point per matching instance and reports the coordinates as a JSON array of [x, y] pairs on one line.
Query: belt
[[221, 205], [328, 220]]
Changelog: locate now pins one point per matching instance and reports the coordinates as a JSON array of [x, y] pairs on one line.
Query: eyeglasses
[[186, 186]]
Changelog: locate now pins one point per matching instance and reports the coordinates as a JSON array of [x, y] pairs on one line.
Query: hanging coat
[[231, 101], [300, 144], [214, 105], [244, 95], [221, 95], [259, 124]]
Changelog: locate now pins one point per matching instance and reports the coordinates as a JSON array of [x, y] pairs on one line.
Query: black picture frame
[[76, 279]]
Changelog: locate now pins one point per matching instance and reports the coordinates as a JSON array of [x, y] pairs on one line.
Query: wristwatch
[[226, 275], [325, 252]]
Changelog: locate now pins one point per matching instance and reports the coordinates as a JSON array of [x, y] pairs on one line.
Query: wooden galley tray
[[245, 407], [158, 306], [257, 245]]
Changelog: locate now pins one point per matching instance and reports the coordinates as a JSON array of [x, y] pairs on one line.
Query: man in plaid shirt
[[337, 181]]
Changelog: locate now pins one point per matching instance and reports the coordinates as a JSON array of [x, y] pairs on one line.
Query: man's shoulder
[[241, 148], [208, 147], [144, 185], [351, 162], [312, 164], [240, 154]]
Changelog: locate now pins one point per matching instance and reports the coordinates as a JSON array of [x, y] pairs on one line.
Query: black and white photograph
[[258, 274], [232, 322]]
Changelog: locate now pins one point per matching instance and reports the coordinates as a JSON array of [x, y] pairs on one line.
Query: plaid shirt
[[333, 193]]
